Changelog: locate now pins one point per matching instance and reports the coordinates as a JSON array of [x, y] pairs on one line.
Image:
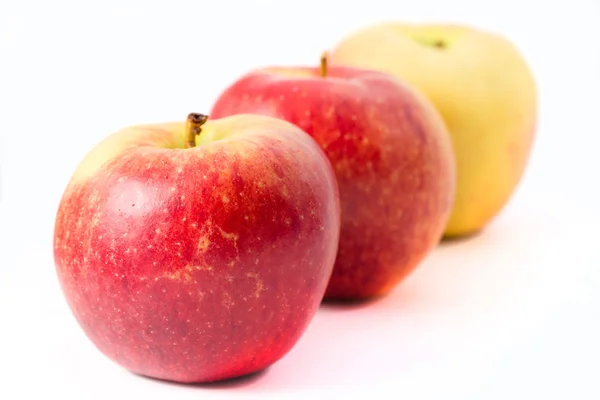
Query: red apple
[[391, 153], [201, 261]]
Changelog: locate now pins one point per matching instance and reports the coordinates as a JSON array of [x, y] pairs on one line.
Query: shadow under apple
[[227, 384]]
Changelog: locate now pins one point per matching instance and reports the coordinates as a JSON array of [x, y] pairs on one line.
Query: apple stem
[[440, 44], [324, 64], [193, 127]]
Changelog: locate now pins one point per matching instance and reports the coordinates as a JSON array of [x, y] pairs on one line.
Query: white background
[[513, 313]]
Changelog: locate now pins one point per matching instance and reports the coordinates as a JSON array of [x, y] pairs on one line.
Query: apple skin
[[484, 90], [198, 264], [392, 156]]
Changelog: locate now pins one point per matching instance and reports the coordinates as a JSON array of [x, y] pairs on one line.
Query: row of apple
[[201, 250]]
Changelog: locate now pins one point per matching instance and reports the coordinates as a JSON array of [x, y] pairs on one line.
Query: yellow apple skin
[[485, 92]]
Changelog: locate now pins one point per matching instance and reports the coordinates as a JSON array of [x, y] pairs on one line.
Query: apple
[[484, 90], [198, 251], [391, 154]]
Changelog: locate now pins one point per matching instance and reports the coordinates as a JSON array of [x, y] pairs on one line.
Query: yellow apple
[[485, 92]]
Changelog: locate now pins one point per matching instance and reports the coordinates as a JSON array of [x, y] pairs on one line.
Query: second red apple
[[391, 153]]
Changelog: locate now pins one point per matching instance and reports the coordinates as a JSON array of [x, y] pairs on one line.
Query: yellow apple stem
[[193, 127], [440, 44], [324, 64]]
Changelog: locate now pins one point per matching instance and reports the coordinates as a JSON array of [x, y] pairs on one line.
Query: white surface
[[513, 313]]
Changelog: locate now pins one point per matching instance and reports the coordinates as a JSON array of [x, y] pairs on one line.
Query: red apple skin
[[392, 156], [203, 264]]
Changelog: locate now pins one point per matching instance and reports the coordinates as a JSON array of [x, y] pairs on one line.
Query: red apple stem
[[324, 64], [193, 127]]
